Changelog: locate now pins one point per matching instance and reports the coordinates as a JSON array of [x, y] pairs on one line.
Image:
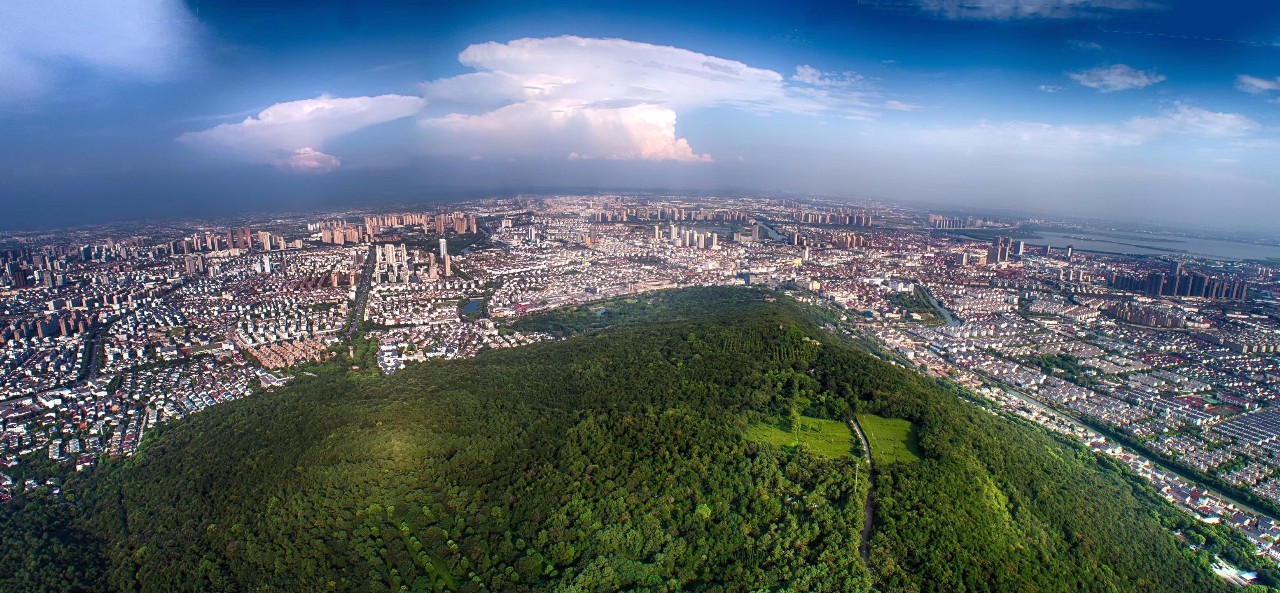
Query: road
[[362, 294], [868, 508], [94, 344]]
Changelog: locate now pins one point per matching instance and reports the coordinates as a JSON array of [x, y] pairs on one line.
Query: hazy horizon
[[1121, 110]]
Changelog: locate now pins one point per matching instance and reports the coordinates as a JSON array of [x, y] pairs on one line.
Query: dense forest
[[618, 459]]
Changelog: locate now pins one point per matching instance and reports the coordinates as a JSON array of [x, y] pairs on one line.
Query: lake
[[1154, 244]]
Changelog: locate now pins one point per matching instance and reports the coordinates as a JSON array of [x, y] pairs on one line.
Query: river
[[951, 319]]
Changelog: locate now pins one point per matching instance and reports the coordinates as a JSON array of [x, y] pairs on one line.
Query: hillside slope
[[615, 460]]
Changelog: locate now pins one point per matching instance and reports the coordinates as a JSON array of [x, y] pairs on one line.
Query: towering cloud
[[558, 98], [609, 98]]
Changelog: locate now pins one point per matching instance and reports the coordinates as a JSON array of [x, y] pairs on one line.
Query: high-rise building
[[1182, 286], [999, 250], [1198, 283], [1155, 284], [433, 270], [444, 248], [392, 264], [194, 264]]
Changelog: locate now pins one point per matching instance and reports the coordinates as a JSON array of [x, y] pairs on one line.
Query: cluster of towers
[[1149, 316], [371, 223], [241, 238], [1003, 248], [665, 213], [341, 233], [392, 265], [1179, 283], [842, 216], [939, 221], [687, 237], [59, 323], [849, 241], [396, 264], [457, 222]]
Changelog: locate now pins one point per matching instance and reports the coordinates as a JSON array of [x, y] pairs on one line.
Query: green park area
[[891, 439], [828, 438]]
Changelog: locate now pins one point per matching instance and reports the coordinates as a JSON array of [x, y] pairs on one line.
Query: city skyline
[[164, 109]]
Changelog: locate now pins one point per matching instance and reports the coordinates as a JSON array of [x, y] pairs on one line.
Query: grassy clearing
[[828, 438], [891, 439]]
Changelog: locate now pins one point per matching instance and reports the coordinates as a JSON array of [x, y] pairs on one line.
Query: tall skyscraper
[[444, 248], [1155, 284], [999, 250]]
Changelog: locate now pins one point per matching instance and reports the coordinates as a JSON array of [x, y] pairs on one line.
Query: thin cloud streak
[[1119, 77]]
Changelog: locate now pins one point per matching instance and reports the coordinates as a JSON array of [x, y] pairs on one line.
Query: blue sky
[[1125, 108]]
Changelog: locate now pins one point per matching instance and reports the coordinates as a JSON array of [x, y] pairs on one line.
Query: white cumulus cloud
[[40, 41], [574, 97], [1120, 77], [290, 135]]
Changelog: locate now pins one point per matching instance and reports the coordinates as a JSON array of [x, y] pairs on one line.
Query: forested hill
[[690, 442]]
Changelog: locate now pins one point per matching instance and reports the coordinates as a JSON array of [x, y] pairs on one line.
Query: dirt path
[[867, 521]]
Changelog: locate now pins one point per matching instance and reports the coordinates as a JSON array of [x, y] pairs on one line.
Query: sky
[[1159, 110]]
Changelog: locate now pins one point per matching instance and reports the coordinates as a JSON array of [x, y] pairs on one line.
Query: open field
[[891, 439], [829, 438]]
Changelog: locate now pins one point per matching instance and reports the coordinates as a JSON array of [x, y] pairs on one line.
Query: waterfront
[[1154, 244]]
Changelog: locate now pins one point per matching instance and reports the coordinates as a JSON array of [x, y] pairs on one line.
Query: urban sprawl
[[1166, 363]]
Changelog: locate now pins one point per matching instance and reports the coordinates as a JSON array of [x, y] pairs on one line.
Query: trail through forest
[[869, 511]]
